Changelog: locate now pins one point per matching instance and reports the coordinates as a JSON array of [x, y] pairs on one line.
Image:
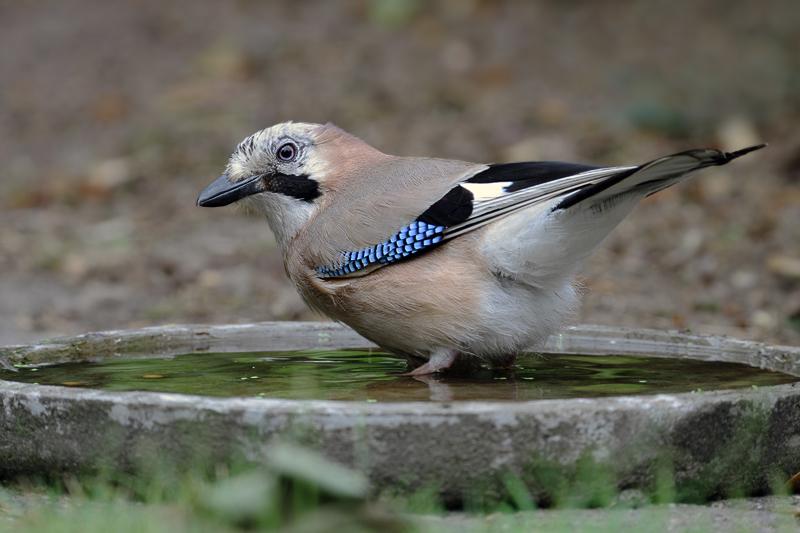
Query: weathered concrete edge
[[175, 339], [404, 446]]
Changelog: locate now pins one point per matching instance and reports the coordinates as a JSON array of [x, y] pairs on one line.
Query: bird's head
[[279, 160], [279, 172]]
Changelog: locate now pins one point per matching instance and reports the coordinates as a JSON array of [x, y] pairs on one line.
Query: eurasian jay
[[436, 259]]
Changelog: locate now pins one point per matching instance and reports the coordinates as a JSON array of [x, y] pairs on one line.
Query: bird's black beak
[[223, 191]]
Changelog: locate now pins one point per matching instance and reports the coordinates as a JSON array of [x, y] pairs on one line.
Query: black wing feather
[[529, 173], [453, 208]]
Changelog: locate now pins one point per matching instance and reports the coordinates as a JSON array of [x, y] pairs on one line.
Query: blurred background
[[113, 116]]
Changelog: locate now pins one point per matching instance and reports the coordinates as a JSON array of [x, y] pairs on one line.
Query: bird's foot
[[439, 360], [507, 362]]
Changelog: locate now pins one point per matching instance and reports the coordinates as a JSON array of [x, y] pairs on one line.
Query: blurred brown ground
[[113, 115]]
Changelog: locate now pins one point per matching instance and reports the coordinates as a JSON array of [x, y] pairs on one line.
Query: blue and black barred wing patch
[[419, 236], [413, 239]]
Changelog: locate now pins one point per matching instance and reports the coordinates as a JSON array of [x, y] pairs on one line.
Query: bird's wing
[[480, 193], [502, 190], [592, 185]]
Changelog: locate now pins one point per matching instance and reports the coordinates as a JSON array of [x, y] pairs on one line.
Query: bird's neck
[[285, 216]]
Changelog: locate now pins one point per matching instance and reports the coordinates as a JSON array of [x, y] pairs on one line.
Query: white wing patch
[[486, 191]]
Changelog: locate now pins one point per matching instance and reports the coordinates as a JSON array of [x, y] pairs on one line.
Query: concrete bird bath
[[405, 446]]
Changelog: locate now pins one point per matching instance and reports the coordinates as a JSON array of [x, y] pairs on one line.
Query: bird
[[440, 261]]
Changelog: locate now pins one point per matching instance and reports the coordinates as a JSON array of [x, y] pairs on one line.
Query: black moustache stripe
[[301, 187]]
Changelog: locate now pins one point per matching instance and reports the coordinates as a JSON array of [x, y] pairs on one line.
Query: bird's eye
[[287, 152]]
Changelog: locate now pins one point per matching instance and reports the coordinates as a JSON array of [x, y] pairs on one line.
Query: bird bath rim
[[166, 341]]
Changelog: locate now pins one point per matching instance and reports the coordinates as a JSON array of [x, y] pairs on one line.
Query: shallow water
[[375, 376]]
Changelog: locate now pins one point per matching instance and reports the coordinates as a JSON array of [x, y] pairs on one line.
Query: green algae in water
[[375, 376]]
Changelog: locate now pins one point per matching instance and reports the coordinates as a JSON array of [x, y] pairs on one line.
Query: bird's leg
[[439, 360], [506, 362]]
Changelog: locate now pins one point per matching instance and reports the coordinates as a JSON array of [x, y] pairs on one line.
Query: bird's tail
[[554, 243], [651, 177]]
